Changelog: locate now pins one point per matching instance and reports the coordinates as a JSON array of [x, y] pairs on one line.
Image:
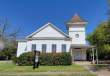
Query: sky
[[29, 15]]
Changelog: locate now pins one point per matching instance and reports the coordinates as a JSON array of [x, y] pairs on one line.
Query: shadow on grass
[[100, 67]]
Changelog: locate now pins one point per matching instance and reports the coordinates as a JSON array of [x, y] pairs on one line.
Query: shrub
[[8, 53], [25, 59], [55, 59], [45, 59]]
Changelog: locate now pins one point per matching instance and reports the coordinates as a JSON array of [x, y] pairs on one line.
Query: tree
[[8, 42], [6, 36], [101, 39]]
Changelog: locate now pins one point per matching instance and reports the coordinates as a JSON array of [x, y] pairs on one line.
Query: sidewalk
[[45, 74], [101, 72]]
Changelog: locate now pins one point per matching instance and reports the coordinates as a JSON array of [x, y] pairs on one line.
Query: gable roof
[[48, 24]]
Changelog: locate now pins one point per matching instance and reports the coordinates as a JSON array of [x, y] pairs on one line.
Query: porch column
[[93, 56], [96, 56], [72, 57]]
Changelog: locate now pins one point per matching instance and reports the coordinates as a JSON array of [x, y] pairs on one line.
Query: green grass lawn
[[7, 67], [10, 67]]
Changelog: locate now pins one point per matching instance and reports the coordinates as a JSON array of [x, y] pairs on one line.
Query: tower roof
[[77, 19]]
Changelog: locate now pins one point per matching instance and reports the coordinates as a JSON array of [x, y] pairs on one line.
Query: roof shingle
[[76, 18]]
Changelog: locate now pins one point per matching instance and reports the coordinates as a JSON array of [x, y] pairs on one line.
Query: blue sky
[[29, 15]]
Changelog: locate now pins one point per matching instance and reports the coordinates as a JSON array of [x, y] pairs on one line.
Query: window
[[63, 47], [44, 47], [26, 48], [53, 48], [33, 47], [76, 35]]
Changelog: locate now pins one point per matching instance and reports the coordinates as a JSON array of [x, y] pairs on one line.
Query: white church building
[[50, 39]]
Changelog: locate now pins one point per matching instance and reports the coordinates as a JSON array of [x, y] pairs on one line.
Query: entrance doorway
[[79, 54]]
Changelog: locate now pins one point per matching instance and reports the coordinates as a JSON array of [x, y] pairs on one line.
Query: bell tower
[[76, 29]]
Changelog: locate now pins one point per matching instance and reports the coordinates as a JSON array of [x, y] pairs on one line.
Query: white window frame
[[54, 48], [63, 47], [44, 48], [33, 47]]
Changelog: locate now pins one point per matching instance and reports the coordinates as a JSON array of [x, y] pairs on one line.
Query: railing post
[[93, 56], [72, 55], [96, 56]]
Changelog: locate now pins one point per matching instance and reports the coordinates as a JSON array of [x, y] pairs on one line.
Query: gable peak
[[49, 23], [76, 14]]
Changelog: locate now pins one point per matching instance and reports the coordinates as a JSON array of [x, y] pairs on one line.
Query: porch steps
[[82, 62]]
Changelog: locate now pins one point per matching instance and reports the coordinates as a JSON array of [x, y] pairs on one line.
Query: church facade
[[50, 39]]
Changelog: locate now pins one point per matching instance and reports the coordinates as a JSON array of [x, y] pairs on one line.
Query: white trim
[[77, 31], [78, 23], [21, 40], [49, 38], [46, 26]]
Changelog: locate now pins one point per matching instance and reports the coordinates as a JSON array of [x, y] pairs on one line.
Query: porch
[[78, 53]]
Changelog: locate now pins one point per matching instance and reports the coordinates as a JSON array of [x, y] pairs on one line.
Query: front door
[[77, 55]]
